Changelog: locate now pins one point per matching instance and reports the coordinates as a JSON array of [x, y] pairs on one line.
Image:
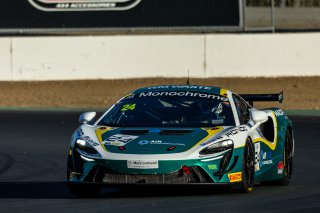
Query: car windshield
[[170, 109]]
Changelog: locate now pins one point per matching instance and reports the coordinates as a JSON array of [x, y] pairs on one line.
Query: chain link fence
[[282, 14]]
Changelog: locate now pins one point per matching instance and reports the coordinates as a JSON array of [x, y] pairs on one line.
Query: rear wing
[[262, 97]]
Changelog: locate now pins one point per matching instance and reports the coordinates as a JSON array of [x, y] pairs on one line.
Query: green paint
[[213, 167], [155, 143]]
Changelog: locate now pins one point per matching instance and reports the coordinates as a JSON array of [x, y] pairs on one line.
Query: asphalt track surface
[[33, 153]]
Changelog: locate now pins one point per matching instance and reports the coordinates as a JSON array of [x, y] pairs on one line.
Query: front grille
[[196, 175], [174, 178]]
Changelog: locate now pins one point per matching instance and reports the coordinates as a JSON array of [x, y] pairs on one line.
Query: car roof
[[193, 88]]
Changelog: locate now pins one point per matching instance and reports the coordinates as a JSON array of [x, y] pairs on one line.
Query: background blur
[[282, 15], [86, 54]]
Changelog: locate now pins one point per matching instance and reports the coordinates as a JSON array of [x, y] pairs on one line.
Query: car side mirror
[[86, 117], [258, 117]]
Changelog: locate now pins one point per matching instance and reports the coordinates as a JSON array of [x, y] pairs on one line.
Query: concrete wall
[[5, 59], [112, 57], [263, 55]]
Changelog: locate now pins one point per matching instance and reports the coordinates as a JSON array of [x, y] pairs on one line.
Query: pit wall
[[116, 57]]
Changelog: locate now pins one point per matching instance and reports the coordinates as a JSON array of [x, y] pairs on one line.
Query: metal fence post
[[243, 15], [272, 16]]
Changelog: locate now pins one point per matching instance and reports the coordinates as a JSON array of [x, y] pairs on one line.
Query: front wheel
[[248, 171]]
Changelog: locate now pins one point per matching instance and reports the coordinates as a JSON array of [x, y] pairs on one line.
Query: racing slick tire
[[287, 161], [248, 171]]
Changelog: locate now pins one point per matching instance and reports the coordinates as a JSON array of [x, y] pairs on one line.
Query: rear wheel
[[286, 164], [248, 168], [287, 160]]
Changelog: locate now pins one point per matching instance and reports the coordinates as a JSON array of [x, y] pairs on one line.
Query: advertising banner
[[41, 15]]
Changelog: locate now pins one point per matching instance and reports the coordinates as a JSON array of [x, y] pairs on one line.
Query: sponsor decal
[[206, 143], [265, 158], [142, 164], [257, 156], [89, 140], [179, 87], [280, 168], [144, 142], [80, 132], [267, 162], [236, 131], [83, 5], [213, 167], [279, 112], [235, 177], [261, 157], [183, 94], [159, 142], [127, 97], [280, 165], [119, 140]]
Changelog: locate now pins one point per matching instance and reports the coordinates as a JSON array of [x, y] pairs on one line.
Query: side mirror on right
[[258, 117]]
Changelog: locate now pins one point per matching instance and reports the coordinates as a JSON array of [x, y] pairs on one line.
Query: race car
[[182, 134]]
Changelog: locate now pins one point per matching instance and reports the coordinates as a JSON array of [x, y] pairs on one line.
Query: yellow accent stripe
[[100, 132], [211, 132], [271, 145], [124, 97], [224, 92]]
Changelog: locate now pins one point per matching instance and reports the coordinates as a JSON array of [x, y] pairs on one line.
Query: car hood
[[153, 140]]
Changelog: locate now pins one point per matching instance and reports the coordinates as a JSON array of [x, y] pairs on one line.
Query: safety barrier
[[115, 57]]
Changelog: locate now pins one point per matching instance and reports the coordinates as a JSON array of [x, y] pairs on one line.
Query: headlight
[[85, 148], [218, 147]]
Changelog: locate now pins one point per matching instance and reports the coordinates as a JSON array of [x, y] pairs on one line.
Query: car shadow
[[162, 191], [34, 190], [59, 190]]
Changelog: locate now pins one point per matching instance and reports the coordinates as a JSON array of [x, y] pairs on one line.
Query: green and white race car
[[182, 134]]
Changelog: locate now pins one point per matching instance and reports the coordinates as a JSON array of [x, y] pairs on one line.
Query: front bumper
[[169, 172]]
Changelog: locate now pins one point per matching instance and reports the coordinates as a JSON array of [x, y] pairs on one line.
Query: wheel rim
[[249, 164]]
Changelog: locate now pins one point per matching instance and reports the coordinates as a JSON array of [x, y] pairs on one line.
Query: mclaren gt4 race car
[[182, 134]]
